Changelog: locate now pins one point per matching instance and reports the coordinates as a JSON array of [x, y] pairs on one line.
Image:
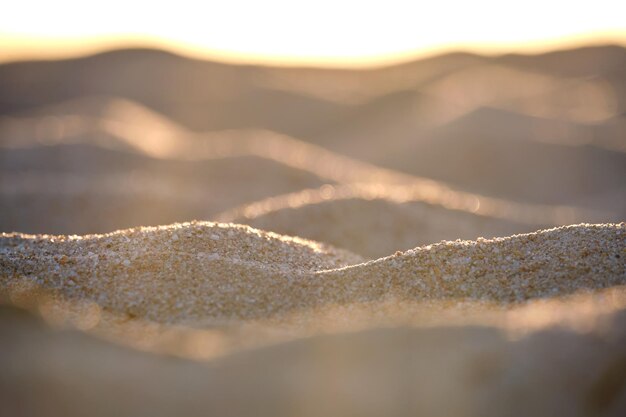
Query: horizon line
[[29, 50]]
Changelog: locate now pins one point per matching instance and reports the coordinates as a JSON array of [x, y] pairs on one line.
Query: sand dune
[[491, 140], [579, 105], [80, 189], [529, 92], [347, 215], [172, 82], [312, 103], [242, 288], [402, 104], [306, 102], [199, 253], [575, 62], [479, 153], [203, 271], [279, 317], [130, 127], [346, 289]]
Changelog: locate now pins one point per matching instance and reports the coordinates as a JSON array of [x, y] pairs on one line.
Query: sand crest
[[200, 271], [347, 215], [306, 314], [129, 127]]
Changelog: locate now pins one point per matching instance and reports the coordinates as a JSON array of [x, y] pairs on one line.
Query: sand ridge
[[200, 271], [127, 126], [346, 215]]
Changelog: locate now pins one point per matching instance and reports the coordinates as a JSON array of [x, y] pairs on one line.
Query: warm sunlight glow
[[318, 32]]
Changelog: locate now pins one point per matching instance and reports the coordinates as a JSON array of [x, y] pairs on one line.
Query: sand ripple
[[347, 216]]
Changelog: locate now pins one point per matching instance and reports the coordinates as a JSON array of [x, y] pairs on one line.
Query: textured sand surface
[[347, 215], [196, 271], [264, 321], [201, 290], [442, 237]]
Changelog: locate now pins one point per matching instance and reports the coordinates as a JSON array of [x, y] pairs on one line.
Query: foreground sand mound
[[347, 216], [245, 288], [542, 264], [208, 271], [177, 272]]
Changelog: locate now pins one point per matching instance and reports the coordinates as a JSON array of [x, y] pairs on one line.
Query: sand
[[132, 129], [394, 371], [83, 188], [279, 317], [200, 271], [440, 238], [260, 322], [347, 215]]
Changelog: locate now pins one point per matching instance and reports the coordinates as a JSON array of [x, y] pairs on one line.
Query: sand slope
[[241, 287], [347, 216], [201, 271], [80, 189], [407, 106], [113, 157]]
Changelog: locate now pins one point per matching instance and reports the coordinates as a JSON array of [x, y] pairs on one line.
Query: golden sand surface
[[201, 271], [347, 215], [126, 126], [274, 320], [329, 286]]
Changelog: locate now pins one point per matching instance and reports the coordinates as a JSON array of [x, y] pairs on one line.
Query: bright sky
[[319, 32]]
